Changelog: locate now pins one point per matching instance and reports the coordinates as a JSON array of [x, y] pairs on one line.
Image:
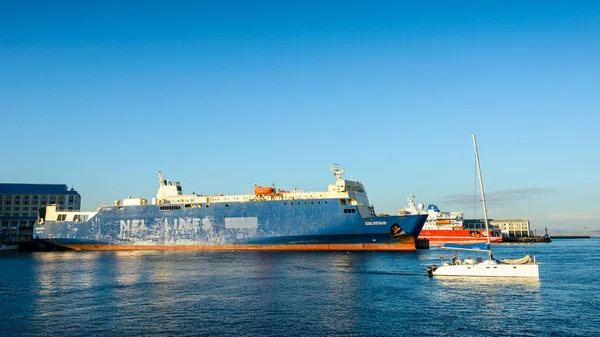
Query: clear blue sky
[[100, 95]]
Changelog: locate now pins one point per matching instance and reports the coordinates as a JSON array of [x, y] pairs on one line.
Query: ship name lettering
[[375, 223], [132, 226]]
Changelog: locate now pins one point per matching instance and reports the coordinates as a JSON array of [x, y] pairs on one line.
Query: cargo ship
[[448, 227], [340, 218]]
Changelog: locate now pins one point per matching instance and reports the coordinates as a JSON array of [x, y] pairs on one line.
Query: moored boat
[[4, 248], [448, 227], [340, 218]]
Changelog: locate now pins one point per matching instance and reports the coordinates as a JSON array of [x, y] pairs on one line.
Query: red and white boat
[[448, 227]]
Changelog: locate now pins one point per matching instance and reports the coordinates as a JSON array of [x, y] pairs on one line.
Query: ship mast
[[482, 196], [160, 178], [335, 168]]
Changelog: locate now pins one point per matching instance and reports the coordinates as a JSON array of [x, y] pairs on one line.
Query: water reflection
[[54, 271], [524, 283], [289, 293], [494, 298], [64, 281], [340, 292]]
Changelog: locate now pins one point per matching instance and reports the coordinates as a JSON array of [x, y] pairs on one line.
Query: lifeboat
[[283, 191], [259, 190], [443, 222]]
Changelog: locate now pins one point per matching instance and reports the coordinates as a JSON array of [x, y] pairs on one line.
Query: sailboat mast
[[482, 194]]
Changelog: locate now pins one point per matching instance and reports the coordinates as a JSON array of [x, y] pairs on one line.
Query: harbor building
[[508, 227], [20, 203]]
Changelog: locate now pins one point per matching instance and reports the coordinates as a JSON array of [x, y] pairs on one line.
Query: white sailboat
[[490, 267]]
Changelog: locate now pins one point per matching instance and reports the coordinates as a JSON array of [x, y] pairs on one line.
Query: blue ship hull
[[317, 224]]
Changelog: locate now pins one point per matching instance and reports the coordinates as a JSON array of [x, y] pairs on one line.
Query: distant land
[[590, 232]]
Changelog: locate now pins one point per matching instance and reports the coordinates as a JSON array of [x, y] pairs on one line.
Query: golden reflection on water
[[54, 280], [132, 267], [66, 256], [127, 268], [51, 270]]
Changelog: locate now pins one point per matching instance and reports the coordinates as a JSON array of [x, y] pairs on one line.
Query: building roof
[[36, 189]]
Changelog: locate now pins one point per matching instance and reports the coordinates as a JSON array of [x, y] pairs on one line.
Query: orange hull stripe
[[279, 247]]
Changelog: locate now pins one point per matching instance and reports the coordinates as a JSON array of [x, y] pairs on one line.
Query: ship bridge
[[354, 189], [167, 188]]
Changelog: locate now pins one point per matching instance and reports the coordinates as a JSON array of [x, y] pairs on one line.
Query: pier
[[527, 239]]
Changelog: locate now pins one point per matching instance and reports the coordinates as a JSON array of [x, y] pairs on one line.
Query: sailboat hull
[[488, 270]]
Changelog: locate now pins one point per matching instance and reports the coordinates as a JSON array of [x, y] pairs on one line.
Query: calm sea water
[[295, 294]]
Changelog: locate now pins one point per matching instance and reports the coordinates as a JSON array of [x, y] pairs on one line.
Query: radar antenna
[[335, 168]]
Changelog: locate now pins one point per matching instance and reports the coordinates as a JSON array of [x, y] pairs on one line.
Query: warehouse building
[[20, 203]]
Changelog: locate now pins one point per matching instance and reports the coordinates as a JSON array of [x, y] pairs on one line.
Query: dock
[[527, 239]]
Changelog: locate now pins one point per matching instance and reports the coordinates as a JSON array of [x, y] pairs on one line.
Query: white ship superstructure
[[170, 193]]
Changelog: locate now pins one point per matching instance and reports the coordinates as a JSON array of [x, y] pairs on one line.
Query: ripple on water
[[294, 294]]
